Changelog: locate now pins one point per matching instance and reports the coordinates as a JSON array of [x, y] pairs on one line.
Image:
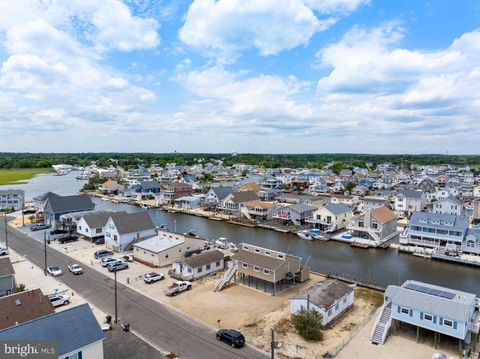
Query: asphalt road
[[162, 326]]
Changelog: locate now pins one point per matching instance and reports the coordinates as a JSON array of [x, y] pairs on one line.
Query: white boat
[[221, 243], [305, 234]]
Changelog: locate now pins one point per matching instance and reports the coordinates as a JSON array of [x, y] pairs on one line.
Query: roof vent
[[18, 302]]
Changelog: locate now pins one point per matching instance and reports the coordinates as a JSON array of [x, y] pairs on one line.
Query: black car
[[232, 337], [67, 238], [58, 231], [29, 211], [102, 253]]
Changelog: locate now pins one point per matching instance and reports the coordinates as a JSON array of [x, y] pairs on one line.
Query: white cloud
[[222, 28]]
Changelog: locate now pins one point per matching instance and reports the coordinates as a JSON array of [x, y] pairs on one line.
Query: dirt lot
[[292, 345]]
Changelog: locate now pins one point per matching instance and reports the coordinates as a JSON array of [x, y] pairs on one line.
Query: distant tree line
[[129, 160]]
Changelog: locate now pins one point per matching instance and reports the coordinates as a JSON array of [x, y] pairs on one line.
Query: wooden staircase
[[382, 324]]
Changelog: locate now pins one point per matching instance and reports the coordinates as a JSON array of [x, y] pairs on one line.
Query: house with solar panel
[[443, 311]]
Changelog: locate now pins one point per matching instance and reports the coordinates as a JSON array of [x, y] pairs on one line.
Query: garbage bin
[[108, 318], [48, 241], [126, 327]]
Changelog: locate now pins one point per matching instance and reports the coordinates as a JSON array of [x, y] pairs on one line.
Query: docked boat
[[305, 234], [221, 243]]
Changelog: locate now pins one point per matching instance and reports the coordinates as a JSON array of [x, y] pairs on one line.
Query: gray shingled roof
[[221, 192], [45, 196], [302, 207], [6, 267], [71, 329], [132, 222], [67, 204], [457, 308], [410, 193], [425, 219], [258, 260], [338, 208], [99, 219], [244, 196], [325, 294], [11, 191], [204, 258]]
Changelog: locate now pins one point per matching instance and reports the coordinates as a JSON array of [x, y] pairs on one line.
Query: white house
[[330, 298], [122, 230], [408, 201], [331, 217], [92, 225], [217, 194], [449, 205], [198, 265], [12, 198], [166, 248]]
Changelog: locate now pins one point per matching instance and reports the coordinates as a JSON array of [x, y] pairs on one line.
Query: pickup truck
[[177, 287]]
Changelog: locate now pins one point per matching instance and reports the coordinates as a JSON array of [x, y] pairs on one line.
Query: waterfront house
[[8, 284], [408, 201], [12, 199], [443, 311], [374, 202], [330, 298], [376, 226], [258, 210], [426, 185], [176, 190], [92, 225], [166, 248], [235, 201], [188, 202], [249, 187], [449, 205], [56, 206], [332, 217], [296, 213], [349, 200], [198, 265], [22, 307], [125, 229], [264, 267], [39, 201], [217, 194], [75, 331], [110, 187], [146, 188]]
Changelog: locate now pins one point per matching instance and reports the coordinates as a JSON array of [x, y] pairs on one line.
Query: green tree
[[20, 288], [349, 187], [308, 323]]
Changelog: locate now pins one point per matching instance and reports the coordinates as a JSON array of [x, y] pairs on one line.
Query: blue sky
[[240, 75]]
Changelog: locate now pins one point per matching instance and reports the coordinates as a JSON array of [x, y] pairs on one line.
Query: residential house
[[188, 202], [296, 213], [332, 217], [235, 201], [217, 194], [359, 190], [258, 210], [12, 199], [265, 266], [166, 248], [75, 331], [375, 227], [8, 284], [351, 201], [124, 229], [441, 310], [249, 187], [92, 225], [268, 195], [449, 205], [22, 307], [198, 265], [40, 201], [426, 185], [330, 298], [59, 205], [111, 187], [176, 190], [147, 188], [408, 201], [374, 202]]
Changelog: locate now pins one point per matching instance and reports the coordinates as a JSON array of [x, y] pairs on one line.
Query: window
[[199, 270], [329, 312], [448, 323], [256, 269], [280, 256], [98, 230], [86, 230], [344, 300], [428, 317], [80, 227], [217, 264], [267, 253], [115, 238], [244, 265], [77, 355], [246, 248], [189, 270], [336, 306], [208, 267], [257, 250], [405, 311], [152, 254], [266, 271]]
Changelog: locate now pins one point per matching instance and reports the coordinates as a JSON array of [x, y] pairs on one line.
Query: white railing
[[385, 326], [226, 277]]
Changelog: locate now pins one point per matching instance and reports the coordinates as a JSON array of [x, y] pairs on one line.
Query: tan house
[[331, 217], [376, 227], [258, 210]]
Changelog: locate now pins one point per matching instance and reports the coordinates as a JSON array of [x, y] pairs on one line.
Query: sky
[[264, 76]]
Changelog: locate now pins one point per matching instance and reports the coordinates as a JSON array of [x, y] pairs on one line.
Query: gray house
[[58, 205], [217, 194], [7, 277], [297, 213], [199, 265]]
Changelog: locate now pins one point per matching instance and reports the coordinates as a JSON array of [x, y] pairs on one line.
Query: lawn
[[20, 175]]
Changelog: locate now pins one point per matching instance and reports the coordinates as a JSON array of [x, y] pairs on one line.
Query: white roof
[[159, 244]]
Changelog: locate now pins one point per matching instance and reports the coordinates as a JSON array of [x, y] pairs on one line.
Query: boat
[[221, 243], [360, 245], [305, 234]]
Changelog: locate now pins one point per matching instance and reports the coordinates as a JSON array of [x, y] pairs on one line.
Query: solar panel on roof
[[430, 291], [434, 292], [422, 289], [411, 286], [448, 295]]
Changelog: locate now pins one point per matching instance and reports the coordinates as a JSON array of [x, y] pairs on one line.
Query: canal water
[[377, 266]]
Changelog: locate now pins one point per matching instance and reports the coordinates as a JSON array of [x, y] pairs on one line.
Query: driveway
[[166, 329]]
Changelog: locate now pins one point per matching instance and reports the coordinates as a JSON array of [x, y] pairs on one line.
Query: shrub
[[20, 288], [308, 323]]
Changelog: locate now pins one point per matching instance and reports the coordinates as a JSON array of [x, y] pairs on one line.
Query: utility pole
[[6, 231], [308, 302], [23, 216], [45, 251], [175, 222], [272, 346], [116, 308]]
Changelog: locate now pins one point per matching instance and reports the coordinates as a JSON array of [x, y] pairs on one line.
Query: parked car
[[59, 299], [75, 268], [67, 238], [177, 287], [29, 211], [128, 258], [105, 261], [100, 241], [39, 227], [54, 271], [3, 251], [115, 267], [56, 231], [232, 337], [153, 277], [102, 253]]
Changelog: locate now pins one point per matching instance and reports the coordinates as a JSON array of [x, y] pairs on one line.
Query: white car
[[153, 277], [59, 299], [54, 271], [3, 251], [75, 268], [106, 261]]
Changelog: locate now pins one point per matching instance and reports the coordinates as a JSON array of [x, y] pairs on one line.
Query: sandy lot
[[292, 345]]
